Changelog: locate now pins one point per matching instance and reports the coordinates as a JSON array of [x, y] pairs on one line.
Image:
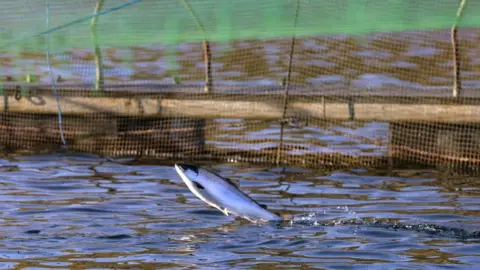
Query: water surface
[[421, 61], [87, 212]]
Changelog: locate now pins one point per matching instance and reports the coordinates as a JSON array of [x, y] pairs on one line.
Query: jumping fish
[[222, 194]]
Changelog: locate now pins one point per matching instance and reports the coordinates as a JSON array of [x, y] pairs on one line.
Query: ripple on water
[[61, 211]]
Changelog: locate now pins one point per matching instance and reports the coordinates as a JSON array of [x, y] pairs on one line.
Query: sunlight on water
[[80, 211]]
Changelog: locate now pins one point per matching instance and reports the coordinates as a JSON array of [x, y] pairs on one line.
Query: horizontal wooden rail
[[262, 104]]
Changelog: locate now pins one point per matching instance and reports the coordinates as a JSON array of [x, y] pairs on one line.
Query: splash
[[314, 219]]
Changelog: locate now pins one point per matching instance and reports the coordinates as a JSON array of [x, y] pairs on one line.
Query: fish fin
[[197, 185], [264, 206], [228, 180], [224, 210], [249, 219]]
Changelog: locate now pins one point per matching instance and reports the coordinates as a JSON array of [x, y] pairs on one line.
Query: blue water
[[86, 212]]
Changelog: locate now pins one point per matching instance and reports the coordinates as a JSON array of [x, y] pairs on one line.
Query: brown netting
[[369, 101]]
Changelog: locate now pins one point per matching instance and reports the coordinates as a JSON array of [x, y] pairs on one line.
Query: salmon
[[223, 194]]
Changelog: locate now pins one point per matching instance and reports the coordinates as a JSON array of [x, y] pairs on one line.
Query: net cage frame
[[176, 114]]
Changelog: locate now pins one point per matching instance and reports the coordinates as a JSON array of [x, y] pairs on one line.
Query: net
[[289, 82], [145, 22]]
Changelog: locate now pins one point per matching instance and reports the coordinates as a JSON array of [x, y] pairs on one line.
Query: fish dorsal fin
[[228, 180]]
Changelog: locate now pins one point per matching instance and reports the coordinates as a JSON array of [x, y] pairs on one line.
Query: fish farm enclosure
[[351, 83]]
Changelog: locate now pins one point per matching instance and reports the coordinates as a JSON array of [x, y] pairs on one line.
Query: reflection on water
[[89, 212], [414, 59], [347, 138]]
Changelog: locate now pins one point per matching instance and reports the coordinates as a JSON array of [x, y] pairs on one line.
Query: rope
[[65, 25], [287, 84], [52, 76]]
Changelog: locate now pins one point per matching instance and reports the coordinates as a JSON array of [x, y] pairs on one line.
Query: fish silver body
[[222, 194]]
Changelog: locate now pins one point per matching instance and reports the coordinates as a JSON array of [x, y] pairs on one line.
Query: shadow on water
[[90, 212]]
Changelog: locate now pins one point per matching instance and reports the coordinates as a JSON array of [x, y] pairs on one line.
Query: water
[[416, 60], [348, 138], [67, 212]]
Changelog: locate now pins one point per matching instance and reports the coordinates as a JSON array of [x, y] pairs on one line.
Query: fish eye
[[188, 167], [197, 185]]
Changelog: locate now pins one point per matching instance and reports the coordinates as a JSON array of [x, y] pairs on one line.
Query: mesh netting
[[342, 83]]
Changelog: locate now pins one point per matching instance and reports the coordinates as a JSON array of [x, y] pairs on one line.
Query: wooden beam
[[270, 108], [128, 90]]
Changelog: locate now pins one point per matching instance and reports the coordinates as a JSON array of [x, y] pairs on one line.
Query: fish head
[[197, 183], [189, 175], [189, 172]]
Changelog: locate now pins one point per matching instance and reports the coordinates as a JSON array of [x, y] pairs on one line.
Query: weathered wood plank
[[269, 109], [303, 90]]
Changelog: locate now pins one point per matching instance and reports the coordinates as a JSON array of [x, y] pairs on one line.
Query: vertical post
[[207, 56], [99, 78], [457, 83], [4, 78], [2, 92]]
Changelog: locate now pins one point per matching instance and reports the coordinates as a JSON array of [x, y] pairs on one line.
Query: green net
[[362, 83], [138, 23]]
